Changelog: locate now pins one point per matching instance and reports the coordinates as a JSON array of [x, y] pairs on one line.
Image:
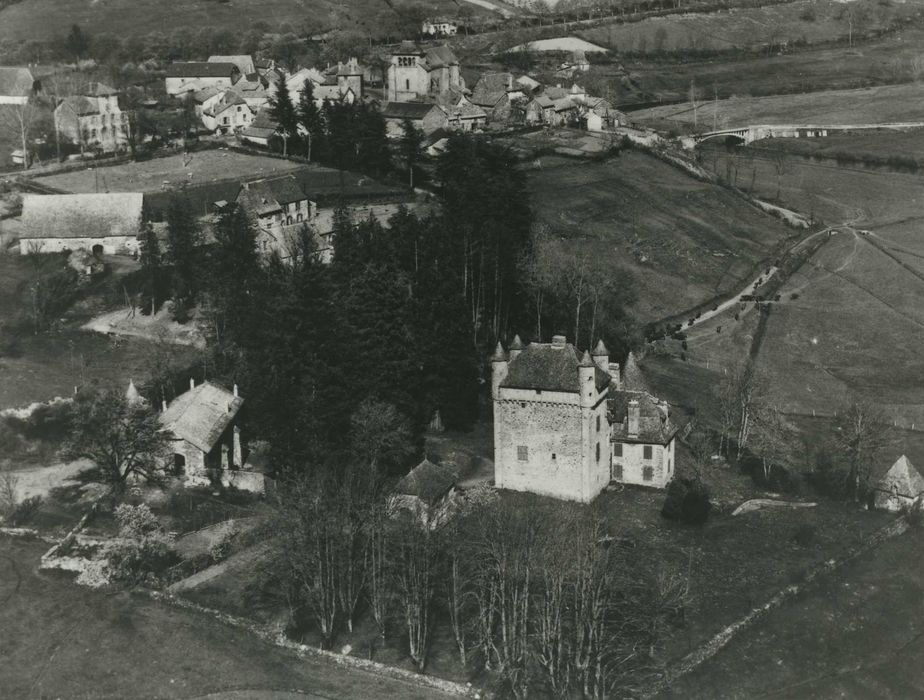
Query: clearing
[[563, 43], [873, 105], [62, 640], [683, 240]]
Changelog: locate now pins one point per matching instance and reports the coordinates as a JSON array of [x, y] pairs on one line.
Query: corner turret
[[499, 367]]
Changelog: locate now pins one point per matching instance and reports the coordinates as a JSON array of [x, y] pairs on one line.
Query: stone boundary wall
[[705, 652]]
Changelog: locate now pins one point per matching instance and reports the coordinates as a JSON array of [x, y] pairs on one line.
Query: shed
[[425, 491]]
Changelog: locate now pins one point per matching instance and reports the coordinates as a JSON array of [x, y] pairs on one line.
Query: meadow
[[877, 145], [872, 105], [683, 241], [805, 21]]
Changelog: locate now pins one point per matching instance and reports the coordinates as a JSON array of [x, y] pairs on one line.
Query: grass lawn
[[60, 640], [683, 241], [46, 19], [857, 634], [149, 176], [747, 27], [873, 105], [880, 144]]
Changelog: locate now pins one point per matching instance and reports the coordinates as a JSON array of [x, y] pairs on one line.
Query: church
[[566, 426]]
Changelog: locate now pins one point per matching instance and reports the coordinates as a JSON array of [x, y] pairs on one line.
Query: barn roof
[[439, 56], [655, 424], [16, 82], [200, 415], [201, 69], [549, 367], [427, 481], [81, 215], [244, 63], [270, 195], [407, 110], [80, 104], [903, 476], [491, 88]]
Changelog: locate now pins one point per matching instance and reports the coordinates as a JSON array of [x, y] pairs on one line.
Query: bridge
[[755, 132]]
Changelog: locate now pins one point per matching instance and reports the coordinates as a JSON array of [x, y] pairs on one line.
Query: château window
[[407, 84], [646, 452], [598, 452], [553, 456], [522, 453], [647, 473], [598, 424], [617, 472], [617, 449]]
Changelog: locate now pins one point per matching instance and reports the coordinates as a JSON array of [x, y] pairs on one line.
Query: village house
[[253, 91], [464, 116], [495, 93], [426, 492], [415, 73], [105, 223], [205, 437], [343, 82], [261, 129], [278, 207], [439, 27], [192, 76], [540, 110], [551, 433], [899, 488], [93, 119], [228, 114], [17, 85], [426, 116]]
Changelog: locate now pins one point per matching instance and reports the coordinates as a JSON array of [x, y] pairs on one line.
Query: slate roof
[[491, 88], [655, 424], [632, 377], [427, 481], [904, 477], [80, 104], [549, 367], [268, 196], [407, 110], [524, 81], [205, 94], [244, 63], [440, 56], [201, 69], [16, 82], [200, 415], [564, 104], [544, 102], [227, 100], [81, 215]]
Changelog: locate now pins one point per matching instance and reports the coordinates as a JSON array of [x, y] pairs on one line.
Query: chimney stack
[[558, 341], [192, 383], [235, 391], [163, 405], [633, 418]]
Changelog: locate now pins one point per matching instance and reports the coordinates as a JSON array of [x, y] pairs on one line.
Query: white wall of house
[[644, 464], [14, 99], [111, 245], [229, 120]]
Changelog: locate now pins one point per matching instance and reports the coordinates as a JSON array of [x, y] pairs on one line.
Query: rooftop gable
[[427, 481], [200, 415], [16, 82], [243, 62], [81, 215], [549, 367]]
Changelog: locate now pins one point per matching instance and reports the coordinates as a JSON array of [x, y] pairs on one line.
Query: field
[[201, 167], [746, 28], [46, 19], [857, 634], [60, 640], [874, 105], [881, 61], [683, 241], [881, 144]]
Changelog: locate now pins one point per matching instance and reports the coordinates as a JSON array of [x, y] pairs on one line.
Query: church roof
[[655, 424], [902, 475], [427, 481], [549, 367], [200, 415]]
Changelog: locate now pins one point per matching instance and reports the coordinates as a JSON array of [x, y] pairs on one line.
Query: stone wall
[[112, 245]]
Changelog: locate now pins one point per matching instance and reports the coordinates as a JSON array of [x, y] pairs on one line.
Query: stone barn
[[426, 492], [551, 433], [204, 435], [899, 487], [106, 223]]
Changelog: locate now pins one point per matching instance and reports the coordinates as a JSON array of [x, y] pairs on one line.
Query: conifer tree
[[185, 238], [283, 113], [411, 143], [309, 117], [152, 262]]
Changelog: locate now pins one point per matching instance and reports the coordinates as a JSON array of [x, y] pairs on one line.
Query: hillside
[[683, 240], [45, 19]]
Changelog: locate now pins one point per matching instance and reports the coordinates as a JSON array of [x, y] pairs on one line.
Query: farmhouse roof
[[491, 88], [427, 481], [407, 110], [549, 367], [655, 425], [524, 81], [351, 67], [205, 94], [81, 215], [439, 56], [466, 110], [564, 104], [903, 478], [229, 99], [16, 82], [271, 194], [244, 63], [99, 90], [80, 105], [544, 102], [200, 415], [201, 69]]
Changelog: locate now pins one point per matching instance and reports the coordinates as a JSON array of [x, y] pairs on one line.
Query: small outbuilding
[[105, 223], [899, 487], [426, 492]]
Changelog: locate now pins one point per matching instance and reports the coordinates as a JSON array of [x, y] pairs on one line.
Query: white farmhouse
[[100, 223]]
